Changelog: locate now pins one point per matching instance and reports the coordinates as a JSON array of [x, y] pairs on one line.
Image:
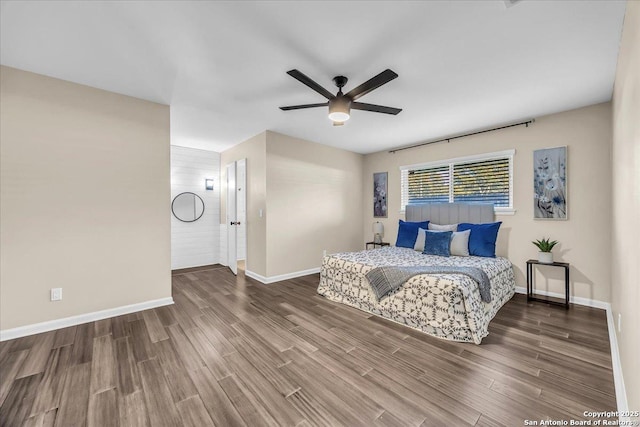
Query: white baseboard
[[37, 328], [575, 300], [618, 379], [281, 277]]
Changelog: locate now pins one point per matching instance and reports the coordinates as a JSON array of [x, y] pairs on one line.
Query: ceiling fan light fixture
[[340, 105], [339, 117], [339, 108]]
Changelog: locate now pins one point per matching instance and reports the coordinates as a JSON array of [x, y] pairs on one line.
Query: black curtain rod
[[526, 123]]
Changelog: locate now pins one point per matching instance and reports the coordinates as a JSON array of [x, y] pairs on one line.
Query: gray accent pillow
[[447, 227], [460, 243], [422, 236]]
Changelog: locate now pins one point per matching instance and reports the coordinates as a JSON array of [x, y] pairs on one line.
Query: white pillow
[[422, 237], [448, 227], [460, 243]]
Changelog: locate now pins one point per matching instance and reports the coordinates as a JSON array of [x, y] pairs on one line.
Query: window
[[487, 178]]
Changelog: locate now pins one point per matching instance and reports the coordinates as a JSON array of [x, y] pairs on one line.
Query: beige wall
[[314, 197], [625, 253], [310, 195], [255, 151], [585, 237], [84, 199]]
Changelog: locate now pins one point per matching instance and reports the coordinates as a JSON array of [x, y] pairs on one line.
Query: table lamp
[[378, 232]]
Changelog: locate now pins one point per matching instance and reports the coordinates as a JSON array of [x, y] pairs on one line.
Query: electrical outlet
[[324, 253], [56, 294], [619, 322]]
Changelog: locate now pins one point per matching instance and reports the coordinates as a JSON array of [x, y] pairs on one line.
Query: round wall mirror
[[187, 207]]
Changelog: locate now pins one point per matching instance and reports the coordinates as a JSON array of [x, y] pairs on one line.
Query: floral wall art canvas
[[550, 183], [380, 195]]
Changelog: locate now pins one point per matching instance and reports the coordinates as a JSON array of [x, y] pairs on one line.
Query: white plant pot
[[545, 257]]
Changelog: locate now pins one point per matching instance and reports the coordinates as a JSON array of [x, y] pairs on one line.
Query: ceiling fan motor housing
[[340, 108]]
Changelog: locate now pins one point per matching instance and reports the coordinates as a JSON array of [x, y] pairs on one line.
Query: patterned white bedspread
[[439, 304]]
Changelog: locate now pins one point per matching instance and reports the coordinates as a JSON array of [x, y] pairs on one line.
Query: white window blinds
[[429, 185], [478, 179]]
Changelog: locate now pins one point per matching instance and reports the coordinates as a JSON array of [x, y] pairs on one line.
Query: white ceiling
[[463, 65]]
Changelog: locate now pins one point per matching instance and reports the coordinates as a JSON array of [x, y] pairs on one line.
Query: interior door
[[241, 208], [232, 220]]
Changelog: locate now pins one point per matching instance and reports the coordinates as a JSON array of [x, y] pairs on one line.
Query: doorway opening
[[237, 216]]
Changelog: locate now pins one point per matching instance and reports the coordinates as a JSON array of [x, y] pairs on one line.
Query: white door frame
[[241, 200], [232, 235]]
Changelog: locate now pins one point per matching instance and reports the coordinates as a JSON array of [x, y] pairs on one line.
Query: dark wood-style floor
[[236, 352]]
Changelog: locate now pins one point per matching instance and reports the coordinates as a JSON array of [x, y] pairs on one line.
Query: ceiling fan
[[340, 105]]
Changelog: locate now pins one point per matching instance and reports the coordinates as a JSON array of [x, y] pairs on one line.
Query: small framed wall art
[[550, 183], [380, 195]]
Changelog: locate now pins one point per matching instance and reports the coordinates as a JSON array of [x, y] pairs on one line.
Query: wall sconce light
[[208, 184]]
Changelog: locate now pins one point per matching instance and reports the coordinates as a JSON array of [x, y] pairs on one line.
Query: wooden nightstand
[[376, 245], [530, 282]]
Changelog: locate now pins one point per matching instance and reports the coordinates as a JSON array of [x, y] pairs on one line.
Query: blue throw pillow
[[408, 233], [437, 243], [482, 241]]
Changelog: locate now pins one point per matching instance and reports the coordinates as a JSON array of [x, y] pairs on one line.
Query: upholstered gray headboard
[[450, 213]]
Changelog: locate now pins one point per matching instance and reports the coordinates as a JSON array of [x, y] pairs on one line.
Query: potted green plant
[[545, 255]]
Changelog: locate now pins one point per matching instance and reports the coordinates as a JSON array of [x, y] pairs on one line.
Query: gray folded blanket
[[386, 279]]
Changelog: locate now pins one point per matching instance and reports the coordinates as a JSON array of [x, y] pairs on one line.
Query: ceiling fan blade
[[373, 83], [375, 108], [300, 107], [313, 85]]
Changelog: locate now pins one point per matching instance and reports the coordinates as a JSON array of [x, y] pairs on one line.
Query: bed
[[448, 305]]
